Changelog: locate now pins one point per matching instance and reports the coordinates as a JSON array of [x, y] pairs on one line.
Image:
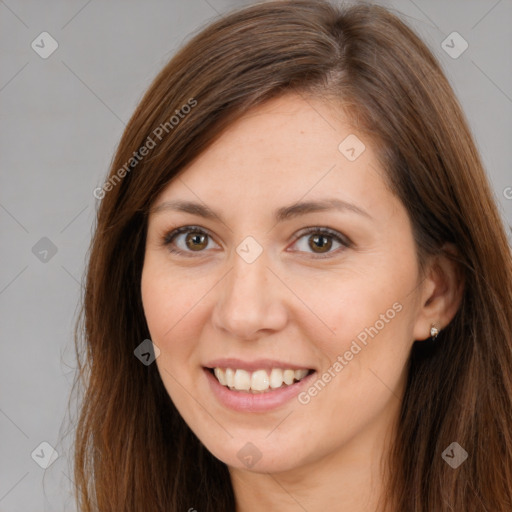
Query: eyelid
[[326, 231], [169, 236], [342, 239], [174, 232]]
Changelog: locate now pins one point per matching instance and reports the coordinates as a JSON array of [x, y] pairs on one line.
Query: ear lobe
[[443, 289]]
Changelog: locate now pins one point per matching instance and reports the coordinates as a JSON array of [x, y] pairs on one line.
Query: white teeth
[[258, 381], [288, 376], [276, 378], [220, 376], [242, 380], [300, 374], [230, 377]]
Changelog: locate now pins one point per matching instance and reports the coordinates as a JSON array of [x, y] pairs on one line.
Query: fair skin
[[302, 302]]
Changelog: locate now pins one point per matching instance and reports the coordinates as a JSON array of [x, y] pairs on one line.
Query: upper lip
[[255, 364]]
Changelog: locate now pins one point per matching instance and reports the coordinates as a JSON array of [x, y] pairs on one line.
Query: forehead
[[288, 148], [288, 134]]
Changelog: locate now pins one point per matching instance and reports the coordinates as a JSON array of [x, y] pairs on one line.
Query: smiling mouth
[[259, 381]]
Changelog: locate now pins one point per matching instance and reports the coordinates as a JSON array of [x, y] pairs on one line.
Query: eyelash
[[338, 237]]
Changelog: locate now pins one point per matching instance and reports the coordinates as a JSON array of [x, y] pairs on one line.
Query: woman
[[298, 294]]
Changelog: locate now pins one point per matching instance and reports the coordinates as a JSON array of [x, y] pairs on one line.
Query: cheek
[[168, 299], [173, 305], [168, 313], [361, 306], [371, 312], [165, 311], [363, 375]]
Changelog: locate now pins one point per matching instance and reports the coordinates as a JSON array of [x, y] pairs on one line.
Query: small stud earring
[[434, 332]]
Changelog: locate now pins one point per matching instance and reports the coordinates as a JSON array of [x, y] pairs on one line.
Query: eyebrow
[[281, 214]]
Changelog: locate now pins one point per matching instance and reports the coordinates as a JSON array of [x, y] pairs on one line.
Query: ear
[[442, 291]]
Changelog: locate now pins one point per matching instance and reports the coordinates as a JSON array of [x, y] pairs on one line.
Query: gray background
[[61, 119]]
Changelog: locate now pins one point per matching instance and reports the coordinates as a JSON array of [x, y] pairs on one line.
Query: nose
[[251, 301]]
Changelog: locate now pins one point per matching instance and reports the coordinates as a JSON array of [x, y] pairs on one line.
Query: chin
[[258, 456]]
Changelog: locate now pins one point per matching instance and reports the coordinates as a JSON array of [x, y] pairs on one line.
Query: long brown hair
[[133, 451]]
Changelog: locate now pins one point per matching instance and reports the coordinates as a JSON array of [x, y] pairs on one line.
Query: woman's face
[[293, 261]]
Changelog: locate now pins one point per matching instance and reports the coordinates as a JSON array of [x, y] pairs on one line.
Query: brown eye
[[321, 242], [196, 241], [187, 240]]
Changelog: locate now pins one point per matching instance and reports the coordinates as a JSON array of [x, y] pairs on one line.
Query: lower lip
[[256, 402]]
